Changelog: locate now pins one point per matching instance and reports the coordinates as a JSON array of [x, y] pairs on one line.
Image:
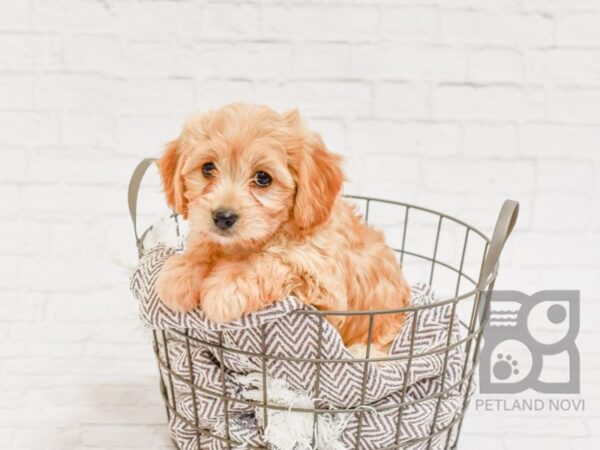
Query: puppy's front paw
[[178, 284], [223, 301]]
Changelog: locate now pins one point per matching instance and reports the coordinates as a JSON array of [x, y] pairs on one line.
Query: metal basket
[[456, 259]]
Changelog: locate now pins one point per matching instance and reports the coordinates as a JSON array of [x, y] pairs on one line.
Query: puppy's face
[[239, 190], [242, 172]]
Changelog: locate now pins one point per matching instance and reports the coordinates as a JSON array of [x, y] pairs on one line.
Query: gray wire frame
[[481, 288]]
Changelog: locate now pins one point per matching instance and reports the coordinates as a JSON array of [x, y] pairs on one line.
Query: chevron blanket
[[226, 358]]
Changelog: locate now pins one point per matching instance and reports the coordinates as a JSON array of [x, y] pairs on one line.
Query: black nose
[[224, 218]]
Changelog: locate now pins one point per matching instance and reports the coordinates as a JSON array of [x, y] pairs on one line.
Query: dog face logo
[[527, 339]]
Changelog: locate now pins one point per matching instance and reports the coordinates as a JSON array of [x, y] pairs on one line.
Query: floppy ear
[[170, 166], [319, 180]]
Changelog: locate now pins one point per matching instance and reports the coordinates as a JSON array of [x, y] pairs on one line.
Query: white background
[[452, 104]]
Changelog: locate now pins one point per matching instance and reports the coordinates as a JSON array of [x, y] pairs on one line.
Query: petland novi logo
[[529, 343]]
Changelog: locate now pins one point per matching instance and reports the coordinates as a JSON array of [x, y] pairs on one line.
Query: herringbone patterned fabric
[[293, 340]]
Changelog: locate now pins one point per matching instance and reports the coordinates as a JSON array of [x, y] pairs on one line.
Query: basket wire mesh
[[475, 268]]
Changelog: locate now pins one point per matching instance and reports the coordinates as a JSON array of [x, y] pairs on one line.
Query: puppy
[[262, 195]]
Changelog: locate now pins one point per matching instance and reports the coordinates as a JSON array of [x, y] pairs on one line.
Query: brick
[[180, 18], [103, 395], [476, 441], [129, 18], [331, 98], [558, 140], [410, 23], [219, 92], [401, 101], [230, 20], [554, 6], [6, 437], [17, 124], [495, 140], [82, 16], [572, 66], [175, 95], [18, 238], [415, 62], [561, 212], [566, 176], [129, 416], [495, 65], [12, 269], [507, 177], [75, 167], [493, 28], [11, 198], [76, 90], [377, 168], [488, 102], [60, 350], [65, 438], [14, 166], [260, 60], [279, 96], [51, 333], [54, 365], [112, 436], [574, 105], [68, 307], [71, 91], [396, 189], [576, 278], [578, 29], [88, 127], [66, 239], [50, 201], [15, 15], [595, 213], [574, 250], [321, 60], [332, 132], [18, 307], [28, 52], [120, 351], [47, 274], [495, 6], [16, 91], [156, 57], [93, 52], [145, 134], [385, 137], [321, 22]]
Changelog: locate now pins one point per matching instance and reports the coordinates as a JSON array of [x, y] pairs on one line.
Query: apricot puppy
[[262, 195]]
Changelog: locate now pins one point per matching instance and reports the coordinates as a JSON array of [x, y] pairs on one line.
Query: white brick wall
[[454, 104]]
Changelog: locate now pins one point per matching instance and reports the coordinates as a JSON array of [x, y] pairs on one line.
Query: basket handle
[[132, 196], [504, 225]]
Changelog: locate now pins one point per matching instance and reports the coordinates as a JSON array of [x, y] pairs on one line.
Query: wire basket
[[457, 260]]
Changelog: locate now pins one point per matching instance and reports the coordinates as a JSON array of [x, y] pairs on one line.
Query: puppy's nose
[[224, 218]]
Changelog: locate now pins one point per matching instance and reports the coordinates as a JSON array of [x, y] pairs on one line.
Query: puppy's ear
[[319, 180], [170, 166]]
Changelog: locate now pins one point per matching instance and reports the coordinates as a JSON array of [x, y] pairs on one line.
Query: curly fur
[[295, 236]]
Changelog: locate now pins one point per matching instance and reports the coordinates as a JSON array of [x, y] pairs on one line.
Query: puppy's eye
[[262, 179], [208, 169]]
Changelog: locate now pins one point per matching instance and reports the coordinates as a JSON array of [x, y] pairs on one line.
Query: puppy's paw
[[223, 301], [178, 284]]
